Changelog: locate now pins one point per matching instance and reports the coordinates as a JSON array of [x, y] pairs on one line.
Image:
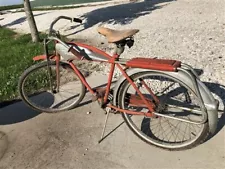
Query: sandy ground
[[187, 30]]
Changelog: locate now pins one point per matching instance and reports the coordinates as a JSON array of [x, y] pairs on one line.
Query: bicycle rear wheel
[[39, 89], [176, 99]]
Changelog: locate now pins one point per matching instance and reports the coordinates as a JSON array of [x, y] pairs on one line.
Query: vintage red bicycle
[[162, 101]]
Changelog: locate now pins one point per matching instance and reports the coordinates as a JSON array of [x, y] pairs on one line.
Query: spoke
[[165, 89], [155, 126], [192, 132], [40, 101], [158, 127], [171, 130], [193, 128], [178, 130], [185, 131], [163, 131], [198, 125], [167, 129], [166, 136], [189, 131], [175, 126], [62, 96]]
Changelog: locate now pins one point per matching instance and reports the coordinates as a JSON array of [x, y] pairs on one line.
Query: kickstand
[[106, 119]]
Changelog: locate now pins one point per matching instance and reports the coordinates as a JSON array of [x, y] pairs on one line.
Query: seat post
[[118, 49]]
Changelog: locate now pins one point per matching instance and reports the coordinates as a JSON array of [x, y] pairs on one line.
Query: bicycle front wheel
[[40, 89], [177, 104]]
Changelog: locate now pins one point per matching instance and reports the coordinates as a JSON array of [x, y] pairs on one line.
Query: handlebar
[[63, 17]]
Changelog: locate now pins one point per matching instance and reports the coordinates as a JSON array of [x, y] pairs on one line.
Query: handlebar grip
[[77, 20], [63, 17]]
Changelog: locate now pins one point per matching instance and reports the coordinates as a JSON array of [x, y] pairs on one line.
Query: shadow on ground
[[88, 98], [119, 14], [16, 113], [22, 19], [219, 91], [19, 111]]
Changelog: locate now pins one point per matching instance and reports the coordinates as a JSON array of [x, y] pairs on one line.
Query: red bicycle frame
[[157, 64]]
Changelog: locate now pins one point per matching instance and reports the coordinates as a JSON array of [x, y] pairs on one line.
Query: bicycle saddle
[[114, 36]]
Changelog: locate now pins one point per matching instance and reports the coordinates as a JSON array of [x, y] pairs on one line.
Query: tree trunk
[[31, 21]]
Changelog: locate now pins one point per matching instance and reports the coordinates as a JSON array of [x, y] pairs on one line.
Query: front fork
[[53, 88], [54, 82]]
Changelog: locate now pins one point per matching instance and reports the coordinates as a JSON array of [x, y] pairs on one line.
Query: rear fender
[[210, 103]]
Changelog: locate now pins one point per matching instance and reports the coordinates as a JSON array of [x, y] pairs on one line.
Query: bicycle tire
[[151, 138], [49, 96]]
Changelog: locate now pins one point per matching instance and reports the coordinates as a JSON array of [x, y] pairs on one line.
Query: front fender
[[210, 103], [40, 57]]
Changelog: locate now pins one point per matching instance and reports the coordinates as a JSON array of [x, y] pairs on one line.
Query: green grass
[[38, 3], [2, 8], [42, 8], [16, 53], [55, 8], [46, 8]]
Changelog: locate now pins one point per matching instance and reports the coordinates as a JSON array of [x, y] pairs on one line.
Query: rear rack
[[152, 63]]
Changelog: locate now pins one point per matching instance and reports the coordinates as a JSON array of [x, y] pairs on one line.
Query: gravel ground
[[188, 30]]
